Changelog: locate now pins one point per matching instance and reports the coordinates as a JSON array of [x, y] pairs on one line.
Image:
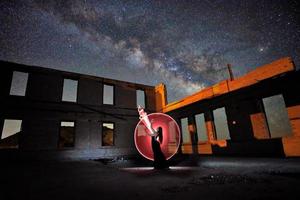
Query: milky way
[[184, 44]]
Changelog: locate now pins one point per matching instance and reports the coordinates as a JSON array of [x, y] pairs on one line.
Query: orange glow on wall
[[261, 73]]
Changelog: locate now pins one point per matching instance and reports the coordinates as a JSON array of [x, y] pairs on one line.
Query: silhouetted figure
[[160, 161]]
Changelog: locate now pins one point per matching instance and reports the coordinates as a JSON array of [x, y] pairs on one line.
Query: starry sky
[[184, 44]]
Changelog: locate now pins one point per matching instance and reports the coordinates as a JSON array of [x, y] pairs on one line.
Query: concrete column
[[193, 134], [95, 139], [160, 97], [211, 132], [291, 144], [210, 126], [259, 126], [294, 117], [82, 134], [259, 122]]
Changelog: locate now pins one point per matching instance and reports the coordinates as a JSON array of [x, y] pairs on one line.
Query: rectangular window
[[201, 127], [9, 136], [107, 134], [172, 137], [67, 134], [19, 83], [70, 90], [221, 125], [185, 131], [108, 94], [277, 116], [140, 98]]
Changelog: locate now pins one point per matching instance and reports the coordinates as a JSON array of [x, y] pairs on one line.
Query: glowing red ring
[[141, 149]]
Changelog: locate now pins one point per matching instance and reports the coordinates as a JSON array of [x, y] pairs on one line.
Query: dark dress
[[160, 161]]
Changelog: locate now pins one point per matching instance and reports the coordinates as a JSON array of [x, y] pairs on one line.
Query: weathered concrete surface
[[264, 72], [42, 110], [246, 118], [205, 178]]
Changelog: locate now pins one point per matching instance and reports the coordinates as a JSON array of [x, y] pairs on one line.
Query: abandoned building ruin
[[50, 114]]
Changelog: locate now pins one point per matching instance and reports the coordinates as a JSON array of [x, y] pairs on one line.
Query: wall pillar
[[291, 144], [259, 122], [160, 97], [211, 132], [193, 134]]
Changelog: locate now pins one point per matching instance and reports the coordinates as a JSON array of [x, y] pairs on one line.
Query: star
[[184, 44]]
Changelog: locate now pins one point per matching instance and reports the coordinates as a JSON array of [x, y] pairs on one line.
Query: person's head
[[159, 130]]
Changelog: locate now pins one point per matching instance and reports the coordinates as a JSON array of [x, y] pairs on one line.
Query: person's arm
[[144, 118]]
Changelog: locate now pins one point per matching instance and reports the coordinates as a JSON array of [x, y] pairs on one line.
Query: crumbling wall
[[42, 110]]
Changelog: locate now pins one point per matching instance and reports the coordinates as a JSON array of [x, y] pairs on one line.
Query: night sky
[[184, 44]]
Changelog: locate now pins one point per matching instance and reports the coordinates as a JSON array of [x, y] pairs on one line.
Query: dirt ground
[[187, 178]]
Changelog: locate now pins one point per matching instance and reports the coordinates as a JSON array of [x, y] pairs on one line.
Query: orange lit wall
[[259, 83]]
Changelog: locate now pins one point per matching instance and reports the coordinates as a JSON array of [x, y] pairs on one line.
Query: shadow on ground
[[188, 178]]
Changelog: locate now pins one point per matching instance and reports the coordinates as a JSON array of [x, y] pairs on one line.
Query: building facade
[[55, 114], [257, 114], [49, 114]]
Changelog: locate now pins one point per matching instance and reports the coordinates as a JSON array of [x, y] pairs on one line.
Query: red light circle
[[171, 136]]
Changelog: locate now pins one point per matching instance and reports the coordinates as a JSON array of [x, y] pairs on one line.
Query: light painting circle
[[170, 132]]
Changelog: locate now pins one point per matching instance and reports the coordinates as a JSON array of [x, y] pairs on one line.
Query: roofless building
[[52, 114]]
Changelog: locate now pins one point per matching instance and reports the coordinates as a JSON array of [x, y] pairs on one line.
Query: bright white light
[[67, 124], [11, 127], [108, 94], [70, 90], [152, 168], [108, 125], [19, 83]]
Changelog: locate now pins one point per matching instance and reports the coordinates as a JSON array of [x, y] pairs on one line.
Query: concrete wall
[[248, 127], [41, 111]]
